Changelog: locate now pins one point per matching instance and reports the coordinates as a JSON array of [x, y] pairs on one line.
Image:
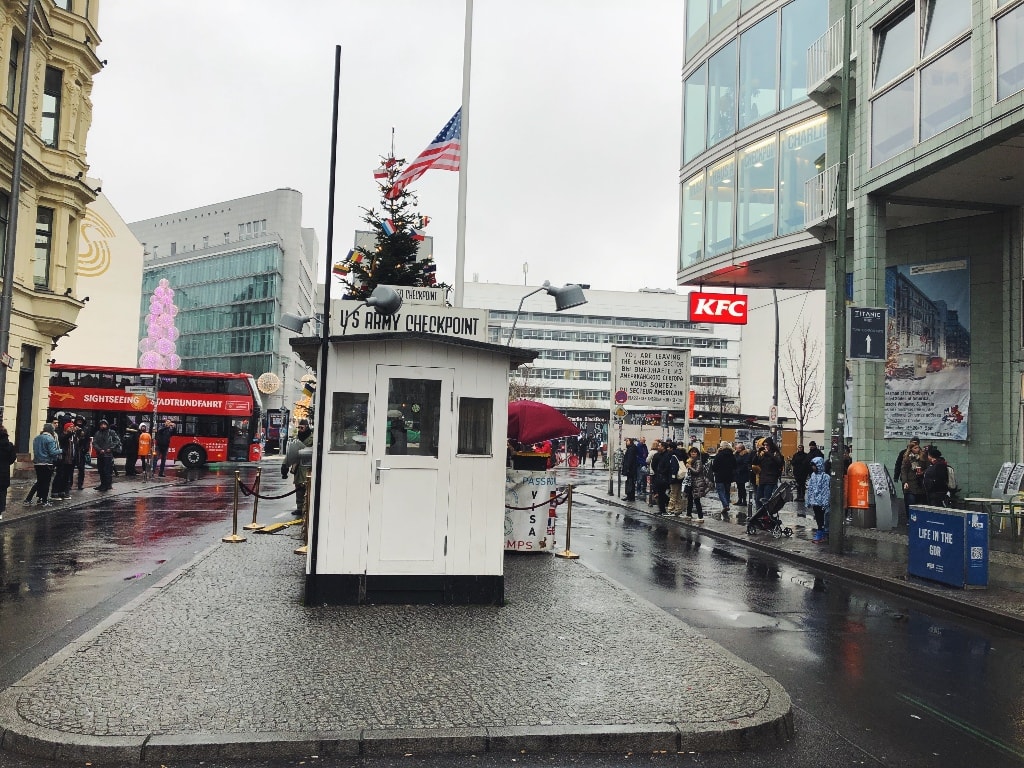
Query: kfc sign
[[727, 308]]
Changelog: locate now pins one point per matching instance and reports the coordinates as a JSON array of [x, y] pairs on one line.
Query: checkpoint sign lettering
[[865, 333]]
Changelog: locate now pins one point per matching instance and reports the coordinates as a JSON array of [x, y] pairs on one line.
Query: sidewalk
[[17, 507], [873, 557], [221, 660]]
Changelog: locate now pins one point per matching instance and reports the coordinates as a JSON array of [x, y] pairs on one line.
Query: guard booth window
[[414, 417], [475, 419]]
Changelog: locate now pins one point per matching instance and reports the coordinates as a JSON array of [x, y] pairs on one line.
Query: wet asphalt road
[[894, 682], [875, 680]]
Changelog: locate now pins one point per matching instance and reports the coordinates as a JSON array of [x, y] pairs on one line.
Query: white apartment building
[[573, 371]]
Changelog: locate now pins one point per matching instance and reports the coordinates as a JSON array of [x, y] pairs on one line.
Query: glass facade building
[[751, 137], [935, 141], [235, 267]]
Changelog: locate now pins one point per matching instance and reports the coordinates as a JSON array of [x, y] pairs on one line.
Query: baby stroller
[[767, 516]]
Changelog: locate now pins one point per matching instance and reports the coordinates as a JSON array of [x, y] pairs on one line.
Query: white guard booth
[[413, 466]]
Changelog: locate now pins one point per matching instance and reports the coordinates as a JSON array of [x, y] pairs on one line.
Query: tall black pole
[[837, 371], [775, 382], [325, 328], [10, 246]]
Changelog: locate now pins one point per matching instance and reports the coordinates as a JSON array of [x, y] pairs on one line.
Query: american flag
[[443, 152]]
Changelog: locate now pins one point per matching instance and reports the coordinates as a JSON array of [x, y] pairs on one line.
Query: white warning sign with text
[[650, 378]]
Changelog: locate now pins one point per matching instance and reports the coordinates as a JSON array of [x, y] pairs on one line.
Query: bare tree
[[519, 386], [801, 380]]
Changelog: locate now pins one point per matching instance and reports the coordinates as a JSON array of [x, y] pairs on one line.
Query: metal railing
[[820, 193], [825, 55]]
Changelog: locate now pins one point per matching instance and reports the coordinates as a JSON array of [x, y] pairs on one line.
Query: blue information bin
[[948, 545]]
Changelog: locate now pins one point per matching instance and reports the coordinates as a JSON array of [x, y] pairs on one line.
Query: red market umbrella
[[532, 422]]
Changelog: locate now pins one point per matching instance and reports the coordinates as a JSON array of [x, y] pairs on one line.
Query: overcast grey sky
[[574, 135]]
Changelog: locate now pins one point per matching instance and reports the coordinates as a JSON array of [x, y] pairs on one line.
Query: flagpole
[[460, 236]]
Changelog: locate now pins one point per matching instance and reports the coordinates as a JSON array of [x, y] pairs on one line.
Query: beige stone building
[[54, 190]]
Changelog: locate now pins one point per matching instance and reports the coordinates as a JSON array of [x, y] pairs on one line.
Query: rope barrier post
[[304, 549], [254, 526], [234, 538], [567, 553]]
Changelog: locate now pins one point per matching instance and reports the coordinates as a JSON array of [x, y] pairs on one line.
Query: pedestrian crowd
[[677, 477], [65, 446]]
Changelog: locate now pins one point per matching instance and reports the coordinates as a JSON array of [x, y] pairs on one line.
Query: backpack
[[951, 483]]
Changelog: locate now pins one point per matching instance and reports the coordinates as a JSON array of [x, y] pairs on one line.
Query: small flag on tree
[[424, 220], [443, 152], [340, 269], [416, 234], [382, 171], [388, 226]]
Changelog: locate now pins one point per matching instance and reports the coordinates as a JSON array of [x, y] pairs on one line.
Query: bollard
[[254, 526], [567, 553], [234, 538]]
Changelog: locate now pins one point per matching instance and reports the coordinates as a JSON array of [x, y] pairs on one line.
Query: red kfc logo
[[727, 308]]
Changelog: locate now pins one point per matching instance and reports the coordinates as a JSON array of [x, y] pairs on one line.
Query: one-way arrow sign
[[865, 333]]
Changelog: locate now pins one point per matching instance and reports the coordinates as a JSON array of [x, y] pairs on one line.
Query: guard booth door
[[410, 447]]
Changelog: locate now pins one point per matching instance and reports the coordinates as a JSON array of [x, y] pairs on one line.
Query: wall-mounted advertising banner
[[928, 351], [726, 308]]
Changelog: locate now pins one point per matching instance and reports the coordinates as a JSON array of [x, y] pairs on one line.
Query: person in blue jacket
[[818, 495]]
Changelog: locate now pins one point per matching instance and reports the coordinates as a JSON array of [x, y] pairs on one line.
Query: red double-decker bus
[[217, 415]]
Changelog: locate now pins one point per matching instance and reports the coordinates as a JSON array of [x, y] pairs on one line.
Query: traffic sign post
[[865, 333]]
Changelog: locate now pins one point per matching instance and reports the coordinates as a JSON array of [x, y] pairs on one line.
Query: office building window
[[12, 74], [894, 49], [921, 65], [174, 249], [722, 94], [227, 237], [759, 52], [44, 247], [721, 207], [722, 13], [803, 22], [691, 221], [756, 192], [1010, 53], [945, 20], [946, 91], [696, 26], [52, 87], [695, 104], [800, 147], [65, 4]]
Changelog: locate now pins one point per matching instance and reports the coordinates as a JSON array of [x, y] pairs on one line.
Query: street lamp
[[566, 297]]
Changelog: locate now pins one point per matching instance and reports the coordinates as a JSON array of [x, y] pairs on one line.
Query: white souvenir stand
[[413, 469]]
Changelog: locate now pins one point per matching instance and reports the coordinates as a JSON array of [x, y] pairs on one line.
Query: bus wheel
[[192, 456]]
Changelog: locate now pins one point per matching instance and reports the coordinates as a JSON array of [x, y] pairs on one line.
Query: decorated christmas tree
[[399, 231]]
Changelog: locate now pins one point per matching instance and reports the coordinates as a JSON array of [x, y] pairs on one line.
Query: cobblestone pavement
[[221, 659]]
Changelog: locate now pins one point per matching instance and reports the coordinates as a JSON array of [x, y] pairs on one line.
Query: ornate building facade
[[62, 63]]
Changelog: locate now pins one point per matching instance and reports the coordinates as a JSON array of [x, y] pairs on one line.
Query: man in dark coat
[[723, 467], [629, 469], [801, 471]]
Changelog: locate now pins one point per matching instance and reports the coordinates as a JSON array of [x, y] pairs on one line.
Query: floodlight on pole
[[566, 297]]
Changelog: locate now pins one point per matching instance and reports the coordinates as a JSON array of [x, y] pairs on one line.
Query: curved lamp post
[[566, 297]]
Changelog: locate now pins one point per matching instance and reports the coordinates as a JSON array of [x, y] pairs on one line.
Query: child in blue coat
[[818, 494]]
